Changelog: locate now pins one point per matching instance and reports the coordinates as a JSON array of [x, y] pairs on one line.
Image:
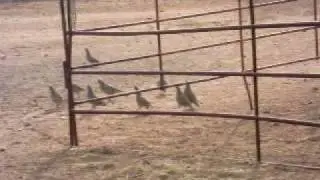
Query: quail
[[181, 99], [89, 57], [77, 89], [55, 97], [108, 89], [141, 101], [91, 95], [190, 94]]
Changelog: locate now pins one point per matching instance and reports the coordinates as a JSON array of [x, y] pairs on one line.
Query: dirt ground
[[34, 141]]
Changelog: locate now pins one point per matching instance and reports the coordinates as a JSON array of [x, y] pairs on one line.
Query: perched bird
[[91, 95], [141, 101], [190, 95], [181, 99], [89, 57], [162, 82], [108, 89], [55, 97], [77, 89]]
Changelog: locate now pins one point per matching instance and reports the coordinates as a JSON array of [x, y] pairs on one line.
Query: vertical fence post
[[66, 47], [159, 43], [242, 54], [255, 80], [72, 117], [316, 35]]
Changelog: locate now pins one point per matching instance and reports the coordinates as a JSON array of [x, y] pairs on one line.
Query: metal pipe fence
[[255, 73]]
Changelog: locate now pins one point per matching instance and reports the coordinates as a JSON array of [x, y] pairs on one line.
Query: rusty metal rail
[[202, 73], [197, 30], [202, 114]]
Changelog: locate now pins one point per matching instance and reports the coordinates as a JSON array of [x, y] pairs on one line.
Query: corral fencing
[[68, 15]]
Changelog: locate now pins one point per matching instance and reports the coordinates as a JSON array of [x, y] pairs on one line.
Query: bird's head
[[187, 84], [100, 81]]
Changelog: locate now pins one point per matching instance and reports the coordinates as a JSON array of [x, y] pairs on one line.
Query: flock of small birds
[[184, 99]]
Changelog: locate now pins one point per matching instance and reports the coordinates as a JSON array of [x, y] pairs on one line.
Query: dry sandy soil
[[34, 136]]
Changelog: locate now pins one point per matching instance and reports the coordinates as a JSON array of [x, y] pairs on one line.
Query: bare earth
[[34, 141]]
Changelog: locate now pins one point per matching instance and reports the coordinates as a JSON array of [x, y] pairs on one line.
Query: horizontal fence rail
[[202, 114], [202, 73], [316, 167], [198, 30]]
